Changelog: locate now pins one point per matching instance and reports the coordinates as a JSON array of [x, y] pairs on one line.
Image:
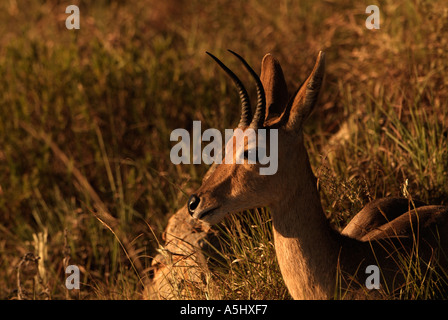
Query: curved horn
[[246, 112], [258, 119]]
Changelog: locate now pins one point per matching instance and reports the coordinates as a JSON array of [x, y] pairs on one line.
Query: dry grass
[[85, 118]]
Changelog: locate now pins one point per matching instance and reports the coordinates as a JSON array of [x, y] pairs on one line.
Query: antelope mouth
[[207, 212]]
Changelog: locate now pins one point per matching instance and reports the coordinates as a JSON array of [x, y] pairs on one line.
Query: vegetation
[[86, 116]]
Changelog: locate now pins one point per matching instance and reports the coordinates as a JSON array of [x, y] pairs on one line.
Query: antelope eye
[[250, 152]]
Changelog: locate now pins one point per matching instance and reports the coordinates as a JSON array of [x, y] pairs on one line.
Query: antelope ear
[[302, 103], [274, 85]]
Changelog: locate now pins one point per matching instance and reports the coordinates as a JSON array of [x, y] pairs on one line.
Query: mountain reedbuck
[[315, 260]]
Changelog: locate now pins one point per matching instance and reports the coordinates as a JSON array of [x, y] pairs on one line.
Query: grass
[[86, 115], [247, 270]]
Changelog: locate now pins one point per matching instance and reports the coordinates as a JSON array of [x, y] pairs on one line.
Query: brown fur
[[312, 256]]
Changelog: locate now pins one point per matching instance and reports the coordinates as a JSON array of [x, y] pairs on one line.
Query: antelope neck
[[306, 246]]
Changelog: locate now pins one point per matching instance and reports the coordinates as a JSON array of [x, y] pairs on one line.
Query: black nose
[[193, 203]]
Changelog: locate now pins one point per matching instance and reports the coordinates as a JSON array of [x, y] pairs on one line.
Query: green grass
[[108, 96], [247, 267]]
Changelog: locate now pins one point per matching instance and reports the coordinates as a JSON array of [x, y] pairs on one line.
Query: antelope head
[[234, 187]]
